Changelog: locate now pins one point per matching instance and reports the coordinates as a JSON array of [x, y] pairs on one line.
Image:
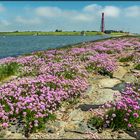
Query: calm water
[[17, 45]]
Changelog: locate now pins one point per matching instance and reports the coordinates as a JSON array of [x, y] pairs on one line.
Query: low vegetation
[[126, 59], [123, 112], [65, 33], [9, 69], [137, 67], [48, 78]]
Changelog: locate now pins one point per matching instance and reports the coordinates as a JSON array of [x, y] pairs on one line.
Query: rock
[[129, 77], [104, 95], [100, 130], [13, 128], [124, 136], [62, 109], [54, 127], [59, 115], [135, 71], [120, 72], [51, 130], [2, 133], [59, 124], [108, 134], [71, 135], [120, 131], [108, 83], [120, 87], [10, 135], [78, 128], [71, 127], [76, 115], [135, 134]]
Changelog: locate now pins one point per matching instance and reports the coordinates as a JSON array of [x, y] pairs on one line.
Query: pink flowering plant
[[8, 69], [123, 112], [34, 100], [47, 78], [102, 63]]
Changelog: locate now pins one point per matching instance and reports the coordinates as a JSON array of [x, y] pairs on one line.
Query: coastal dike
[[71, 85]]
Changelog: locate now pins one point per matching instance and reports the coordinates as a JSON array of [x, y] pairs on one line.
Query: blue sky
[[70, 15]]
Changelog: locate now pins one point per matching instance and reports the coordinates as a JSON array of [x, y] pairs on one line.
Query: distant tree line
[[114, 31]]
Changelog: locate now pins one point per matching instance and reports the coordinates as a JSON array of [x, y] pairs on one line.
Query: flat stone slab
[[71, 135], [108, 83], [104, 95], [120, 72], [10, 135], [76, 115], [129, 77]]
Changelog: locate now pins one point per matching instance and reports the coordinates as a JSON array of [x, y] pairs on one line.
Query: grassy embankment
[[90, 33]]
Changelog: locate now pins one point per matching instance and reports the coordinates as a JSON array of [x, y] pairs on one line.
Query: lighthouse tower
[[102, 23]]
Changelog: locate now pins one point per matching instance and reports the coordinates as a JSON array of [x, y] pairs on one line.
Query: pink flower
[[24, 113], [136, 115], [129, 111], [129, 125], [5, 125]]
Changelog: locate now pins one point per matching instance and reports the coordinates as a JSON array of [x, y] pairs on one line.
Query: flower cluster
[[103, 61], [36, 98], [124, 111]]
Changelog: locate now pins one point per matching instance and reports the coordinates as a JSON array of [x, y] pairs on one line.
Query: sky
[[69, 16]]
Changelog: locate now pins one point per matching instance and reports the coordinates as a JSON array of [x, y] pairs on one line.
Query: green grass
[[96, 122], [137, 67], [90, 33], [7, 70], [50, 33], [126, 59], [118, 34]]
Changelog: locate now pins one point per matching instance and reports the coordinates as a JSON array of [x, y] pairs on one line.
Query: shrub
[[90, 68], [137, 67], [96, 122], [123, 119], [8, 69], [126, 59], [104, 72]]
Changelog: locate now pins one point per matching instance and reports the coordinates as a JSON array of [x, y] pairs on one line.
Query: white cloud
[[4, 22], [133, 11], [82, 17], [48, 11], [31, 21], [55, 12], [92, 8], [111, 11]]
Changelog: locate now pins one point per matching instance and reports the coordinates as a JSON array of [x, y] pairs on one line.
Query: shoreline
[[64, 33], [71, 45]]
